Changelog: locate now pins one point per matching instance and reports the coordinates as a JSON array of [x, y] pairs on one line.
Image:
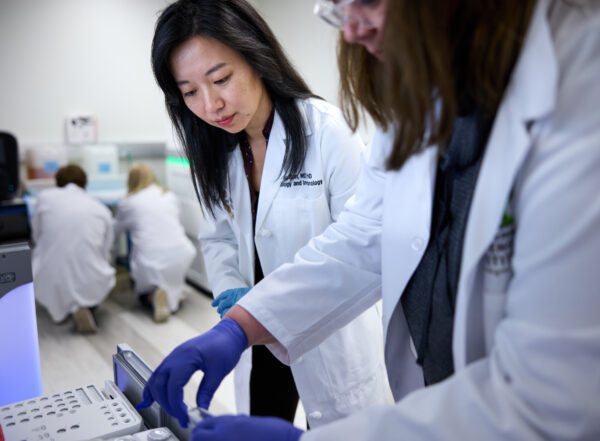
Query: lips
[[225, 121]]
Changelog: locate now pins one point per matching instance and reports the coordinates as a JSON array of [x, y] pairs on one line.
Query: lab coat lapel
[[406, 224], [530, 95], [240, 195], [272, 174]]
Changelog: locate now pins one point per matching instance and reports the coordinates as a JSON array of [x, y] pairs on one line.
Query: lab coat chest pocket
[[295, 220], [497, 273]]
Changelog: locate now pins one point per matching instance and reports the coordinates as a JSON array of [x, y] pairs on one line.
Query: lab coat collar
[[534, 82], [74, 187], [530, 95]]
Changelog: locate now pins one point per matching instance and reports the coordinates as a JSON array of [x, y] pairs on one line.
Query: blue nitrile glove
[[228, 298], [246, 428], [215, 353]]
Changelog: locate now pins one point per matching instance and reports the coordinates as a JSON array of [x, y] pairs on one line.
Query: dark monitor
[[14, 221], [9, 167]]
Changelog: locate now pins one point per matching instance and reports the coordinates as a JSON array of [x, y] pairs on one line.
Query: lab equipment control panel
[[77, 414], [93, 414]]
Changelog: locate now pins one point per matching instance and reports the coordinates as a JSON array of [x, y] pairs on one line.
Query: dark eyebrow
[[214, 68], [208, 72]]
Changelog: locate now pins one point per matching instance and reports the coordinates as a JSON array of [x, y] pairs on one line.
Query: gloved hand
[[228, 298], [215, 352], [246, 428]]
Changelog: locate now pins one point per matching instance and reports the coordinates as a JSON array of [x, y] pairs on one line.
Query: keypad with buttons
[[76, 414]]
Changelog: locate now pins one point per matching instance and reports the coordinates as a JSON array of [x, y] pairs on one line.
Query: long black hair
[[237, 25]]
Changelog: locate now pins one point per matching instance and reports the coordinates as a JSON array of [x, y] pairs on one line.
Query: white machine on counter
[[90, 413], [100, 160], [81, 413]]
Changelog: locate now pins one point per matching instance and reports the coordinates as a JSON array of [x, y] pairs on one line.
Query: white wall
[[64, 57], [309, 42]]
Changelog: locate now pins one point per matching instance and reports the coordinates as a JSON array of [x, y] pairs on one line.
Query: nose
[[212, 102], [356, 30], [349, 32]]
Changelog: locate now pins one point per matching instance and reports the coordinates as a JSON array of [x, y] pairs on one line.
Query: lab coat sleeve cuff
[[268, 320]]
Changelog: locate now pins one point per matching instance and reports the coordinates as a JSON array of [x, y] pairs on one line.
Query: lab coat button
[[417, 243], [265, 233], [316, 415], [299, 359]]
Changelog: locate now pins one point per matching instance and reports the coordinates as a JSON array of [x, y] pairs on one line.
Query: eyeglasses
[[333, 12]]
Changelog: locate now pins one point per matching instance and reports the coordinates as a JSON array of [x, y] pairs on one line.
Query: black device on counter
[[14, 216], [9, 167]]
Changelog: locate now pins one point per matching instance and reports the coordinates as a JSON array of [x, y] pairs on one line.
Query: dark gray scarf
[[429, 298]]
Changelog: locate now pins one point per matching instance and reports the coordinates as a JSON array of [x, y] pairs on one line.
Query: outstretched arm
[[256, 333]]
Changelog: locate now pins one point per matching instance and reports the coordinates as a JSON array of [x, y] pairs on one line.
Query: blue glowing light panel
[[20, 373]]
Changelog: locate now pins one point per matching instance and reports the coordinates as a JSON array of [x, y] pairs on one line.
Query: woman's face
[[219, 86], [365, 20]]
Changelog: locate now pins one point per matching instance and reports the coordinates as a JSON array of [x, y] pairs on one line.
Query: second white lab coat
[[160, 253], [346, 372], [526, 338], [73, 235]]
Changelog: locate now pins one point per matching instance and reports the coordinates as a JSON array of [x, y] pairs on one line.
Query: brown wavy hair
[[71, 174], [441, 58]]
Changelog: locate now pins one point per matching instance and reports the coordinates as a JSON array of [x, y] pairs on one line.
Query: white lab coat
[[160, 253], [346, 372], [526, 339], [73, 235]]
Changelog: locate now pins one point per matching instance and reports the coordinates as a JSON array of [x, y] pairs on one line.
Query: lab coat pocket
[[296, 220], [347, 360], [497, 274], [493, 312]]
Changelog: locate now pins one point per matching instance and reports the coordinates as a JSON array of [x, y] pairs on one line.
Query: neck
[[254, 130]]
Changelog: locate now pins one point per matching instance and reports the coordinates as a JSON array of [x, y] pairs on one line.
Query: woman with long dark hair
[[477, 215], [273, 166]]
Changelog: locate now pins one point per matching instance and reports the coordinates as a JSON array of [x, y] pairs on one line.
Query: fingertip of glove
[[147, 399], [143, 405], [203, 402]]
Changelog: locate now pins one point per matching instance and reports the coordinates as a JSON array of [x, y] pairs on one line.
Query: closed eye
[[189, 93], [223, 80]]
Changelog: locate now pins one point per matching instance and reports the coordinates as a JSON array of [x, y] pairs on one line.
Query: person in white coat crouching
[[160, 252], [274, 166], [73, 236], [477, 215]]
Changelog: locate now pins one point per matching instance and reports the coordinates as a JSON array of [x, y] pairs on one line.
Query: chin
[[374, 49], [234, 129], [378, 53]]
